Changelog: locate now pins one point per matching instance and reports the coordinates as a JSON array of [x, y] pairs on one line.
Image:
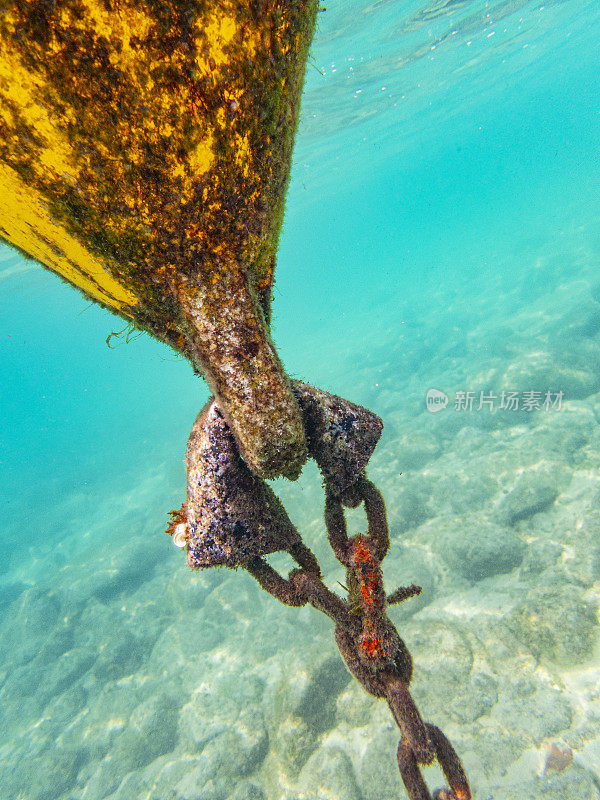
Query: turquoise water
[[441, 233]]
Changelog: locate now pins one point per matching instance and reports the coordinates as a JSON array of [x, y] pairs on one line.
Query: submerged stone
[[476, 548], [556, 623], [534, 491], [329, 775]]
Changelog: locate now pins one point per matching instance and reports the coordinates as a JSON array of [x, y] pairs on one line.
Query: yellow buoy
[[145, 151]]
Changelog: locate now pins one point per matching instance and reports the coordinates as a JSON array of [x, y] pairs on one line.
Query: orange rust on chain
[[372, 646], [368, 573]]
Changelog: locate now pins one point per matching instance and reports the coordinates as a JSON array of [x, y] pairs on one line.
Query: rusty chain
[[369, 643], [232, 517]]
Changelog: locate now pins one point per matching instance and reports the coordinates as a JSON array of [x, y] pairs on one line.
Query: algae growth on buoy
[[145, 152]]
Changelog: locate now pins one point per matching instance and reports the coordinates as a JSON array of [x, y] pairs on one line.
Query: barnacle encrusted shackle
[[230, 514]]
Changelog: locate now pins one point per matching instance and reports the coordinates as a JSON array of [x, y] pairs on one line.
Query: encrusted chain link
[[367, 639]]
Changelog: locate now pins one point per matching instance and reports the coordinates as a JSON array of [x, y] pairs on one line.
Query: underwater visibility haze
[[438, 264]]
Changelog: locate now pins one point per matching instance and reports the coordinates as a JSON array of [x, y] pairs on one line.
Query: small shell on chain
[[180, 535]]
